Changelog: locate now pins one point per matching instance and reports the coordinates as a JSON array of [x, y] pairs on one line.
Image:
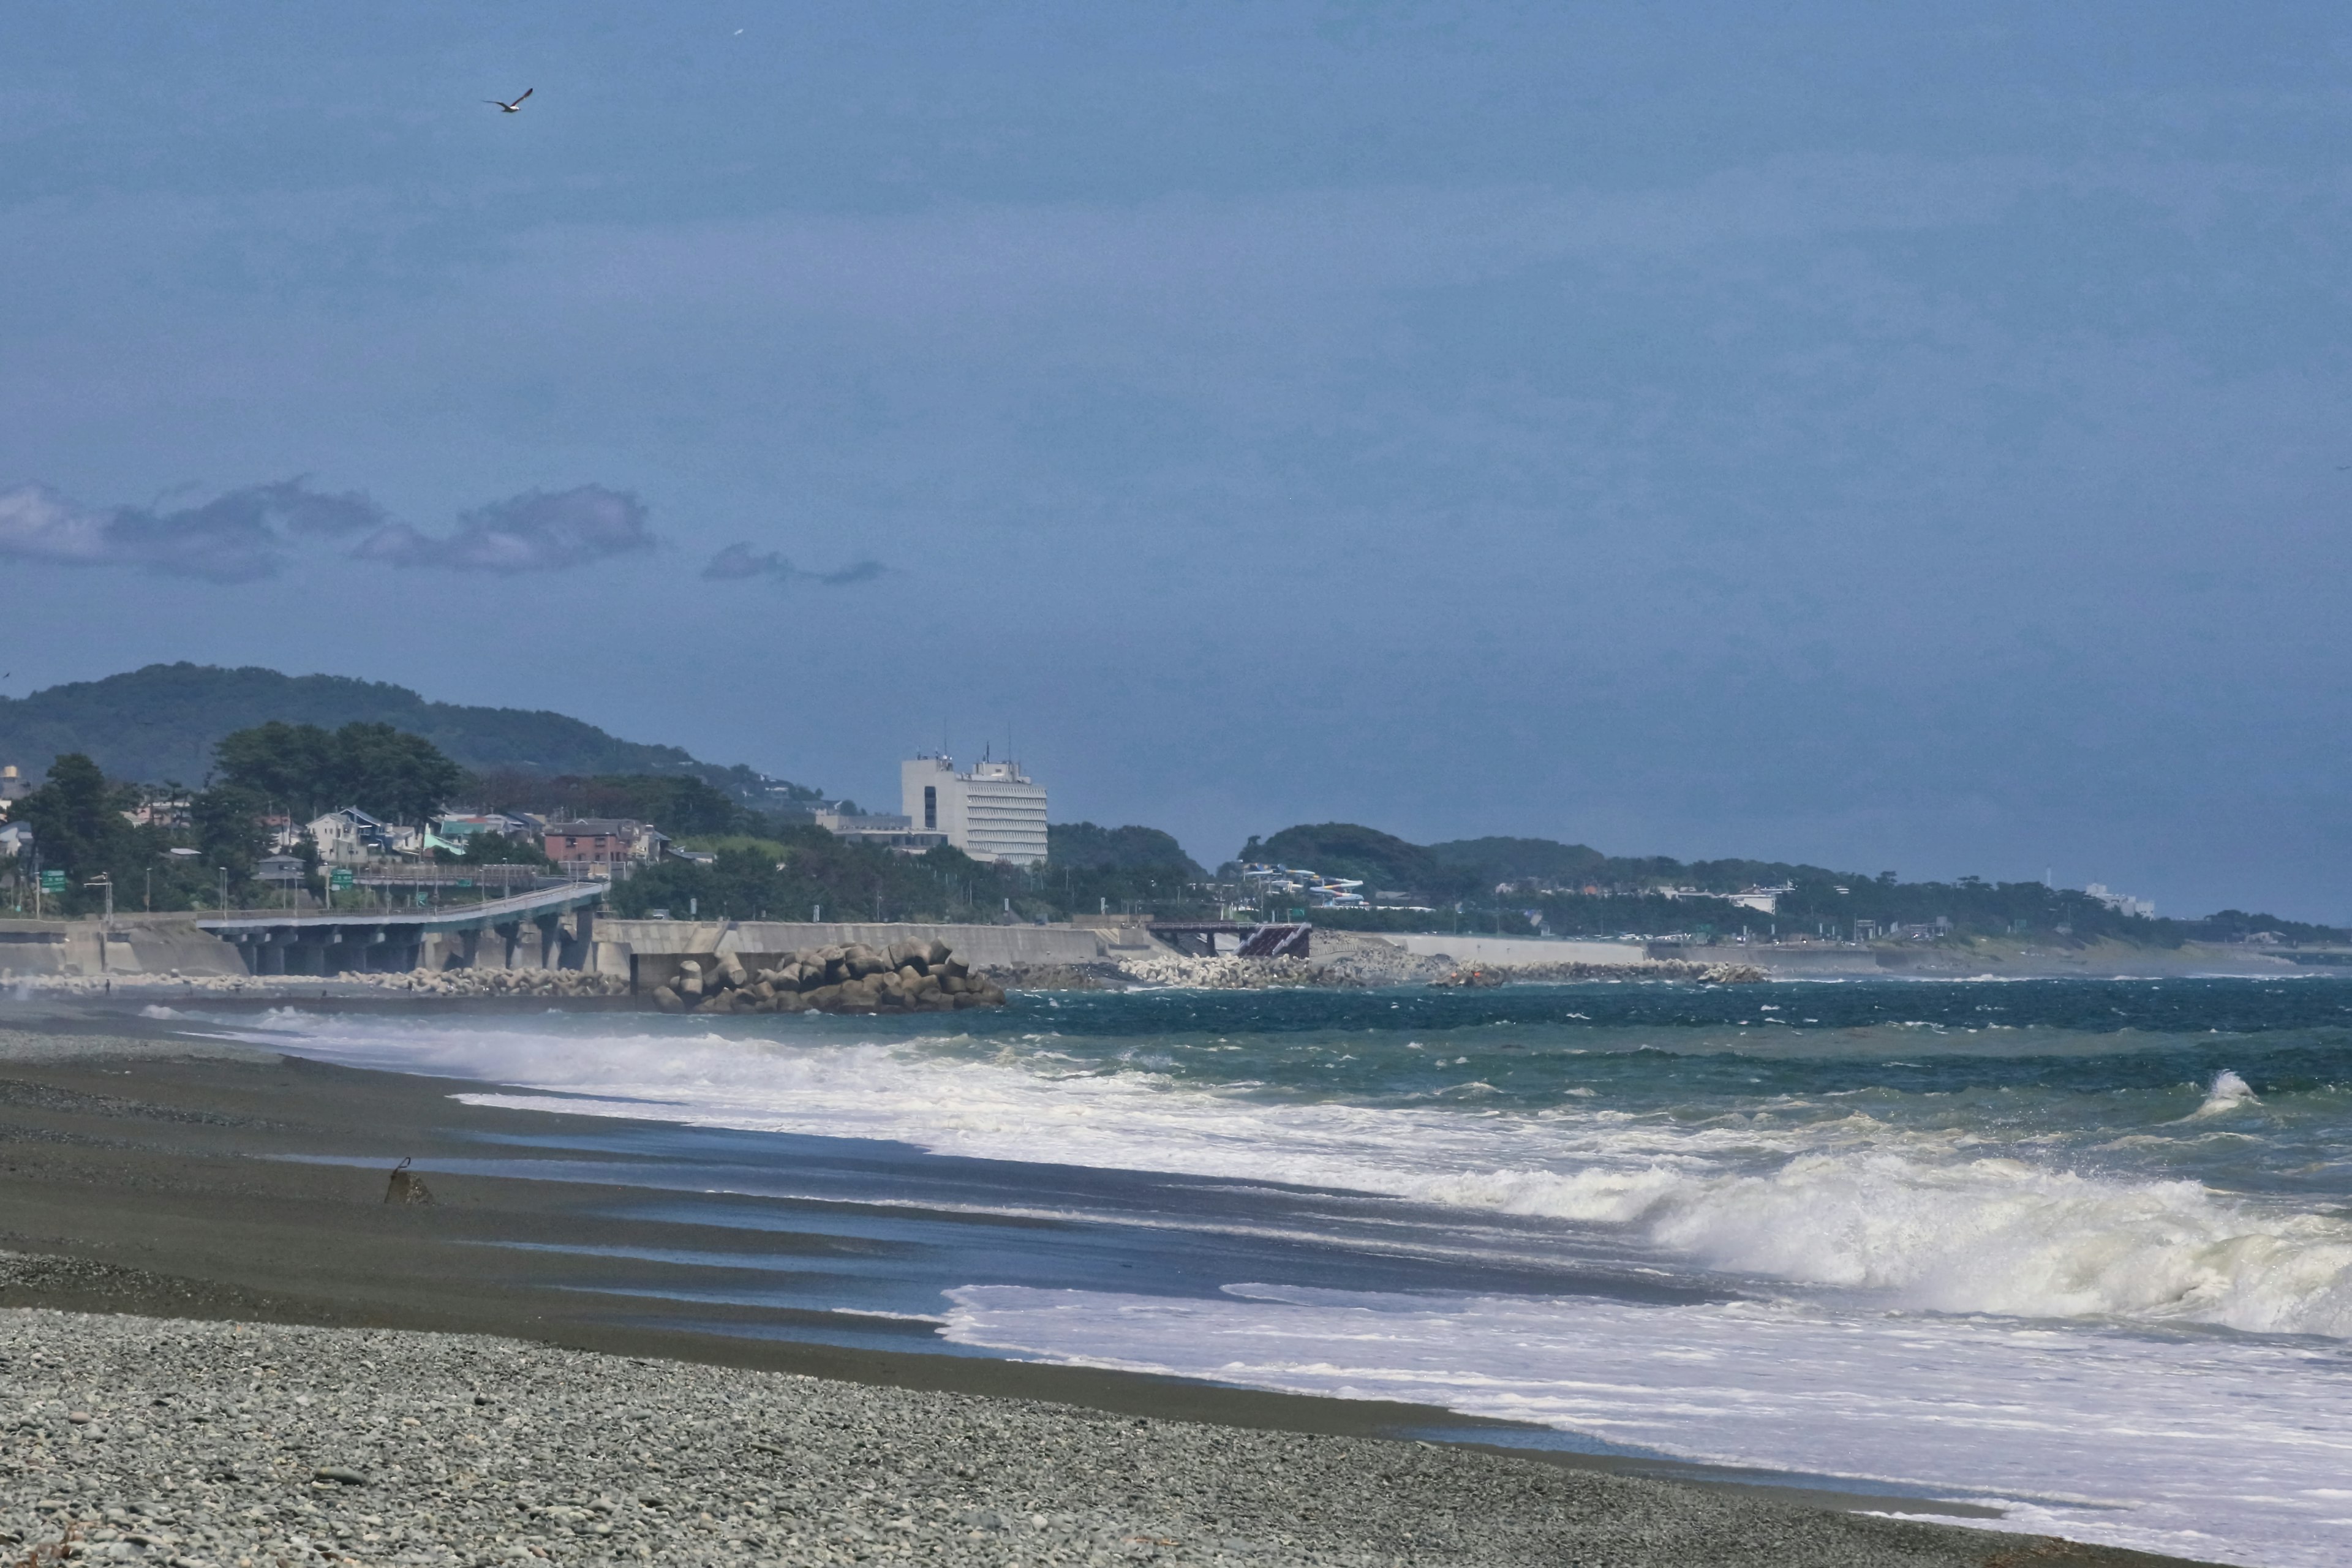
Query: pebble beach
[[210, 1443]]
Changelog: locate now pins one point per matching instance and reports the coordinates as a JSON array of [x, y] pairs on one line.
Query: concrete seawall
[[139, 945]]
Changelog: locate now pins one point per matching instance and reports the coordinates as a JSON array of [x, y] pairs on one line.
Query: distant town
[[370, 813]]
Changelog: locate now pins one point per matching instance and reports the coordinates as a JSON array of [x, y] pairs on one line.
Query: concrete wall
[[140, 944], [32, 947], [1466, 949], [166, 945]]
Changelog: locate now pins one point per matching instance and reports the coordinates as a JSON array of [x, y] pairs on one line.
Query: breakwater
[[905, 978]]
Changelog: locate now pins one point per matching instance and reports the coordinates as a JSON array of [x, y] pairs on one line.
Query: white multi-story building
[[995, 811], [2121, 903]]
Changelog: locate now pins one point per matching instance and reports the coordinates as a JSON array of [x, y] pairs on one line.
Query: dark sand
[[146, 1159]]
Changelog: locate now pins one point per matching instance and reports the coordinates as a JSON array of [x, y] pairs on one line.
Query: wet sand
[[140, 1166]]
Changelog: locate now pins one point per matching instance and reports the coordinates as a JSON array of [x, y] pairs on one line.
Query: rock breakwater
[[905, 978], [497, 983], [1345, 960]]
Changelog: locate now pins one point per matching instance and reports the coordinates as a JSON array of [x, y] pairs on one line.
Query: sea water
[[2080, 1250]]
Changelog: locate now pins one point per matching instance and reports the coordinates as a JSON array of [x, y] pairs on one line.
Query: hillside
[[1521, 884], [162, 721]]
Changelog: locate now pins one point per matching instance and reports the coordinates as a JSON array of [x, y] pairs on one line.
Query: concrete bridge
[[554, 928]]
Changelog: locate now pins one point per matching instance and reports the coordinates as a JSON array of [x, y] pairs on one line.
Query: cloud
[[530, 532], [738, 560], [238, 537]]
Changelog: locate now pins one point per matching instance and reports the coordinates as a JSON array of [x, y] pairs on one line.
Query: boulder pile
[[905, 977], [497, 982]]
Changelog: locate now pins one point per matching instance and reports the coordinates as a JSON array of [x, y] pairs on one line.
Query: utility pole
[[106, 930]]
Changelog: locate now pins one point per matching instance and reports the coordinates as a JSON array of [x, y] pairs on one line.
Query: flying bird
[[505, 107]]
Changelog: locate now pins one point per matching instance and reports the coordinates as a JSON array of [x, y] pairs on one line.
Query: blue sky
[[1901, 437]]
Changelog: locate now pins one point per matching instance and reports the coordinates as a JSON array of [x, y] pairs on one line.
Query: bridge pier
[[390, 941], [579, 946]]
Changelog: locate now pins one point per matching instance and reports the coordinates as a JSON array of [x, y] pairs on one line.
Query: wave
[[2227, 1092], [2206, 1446], [1915, 1218]]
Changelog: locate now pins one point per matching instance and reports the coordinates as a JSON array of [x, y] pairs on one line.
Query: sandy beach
[[219, 1354]]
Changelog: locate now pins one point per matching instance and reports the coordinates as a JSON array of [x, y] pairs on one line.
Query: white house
[[351, 837]]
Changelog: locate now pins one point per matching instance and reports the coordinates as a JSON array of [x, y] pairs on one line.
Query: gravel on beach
[[250, 1445]]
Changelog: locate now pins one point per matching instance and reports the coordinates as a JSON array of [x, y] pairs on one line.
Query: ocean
[[2079, 1251]]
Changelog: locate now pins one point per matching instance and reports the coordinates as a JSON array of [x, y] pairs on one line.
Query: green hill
[[1548, 885], [162, 721], [1084, 847]]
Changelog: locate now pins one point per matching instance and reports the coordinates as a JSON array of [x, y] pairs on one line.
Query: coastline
[[145, 1159]]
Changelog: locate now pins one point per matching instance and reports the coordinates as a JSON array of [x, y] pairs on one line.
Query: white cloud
[[534, 531], [238, 537]]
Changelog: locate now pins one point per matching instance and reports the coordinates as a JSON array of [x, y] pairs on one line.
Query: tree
[[498, 849], [1084, 847], [291, 763], [676, 804], [229, 829], [382, 771], [77, 819], [397, 776]]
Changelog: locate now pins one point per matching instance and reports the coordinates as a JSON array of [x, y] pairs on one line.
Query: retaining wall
[[139, 945]]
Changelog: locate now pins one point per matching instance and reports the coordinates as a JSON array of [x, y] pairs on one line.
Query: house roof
[[610, 826]]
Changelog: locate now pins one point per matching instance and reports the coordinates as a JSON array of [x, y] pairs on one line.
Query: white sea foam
[[2227, 1092], [1915, 1219], [2216, 1448]]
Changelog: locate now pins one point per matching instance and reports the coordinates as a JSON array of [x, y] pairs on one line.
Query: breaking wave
[[1918, 1219]]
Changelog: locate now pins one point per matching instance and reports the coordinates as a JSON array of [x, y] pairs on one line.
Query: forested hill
[[163, 723], [1575, 889]]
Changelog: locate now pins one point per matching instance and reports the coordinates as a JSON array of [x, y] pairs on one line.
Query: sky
[[1905, 438]]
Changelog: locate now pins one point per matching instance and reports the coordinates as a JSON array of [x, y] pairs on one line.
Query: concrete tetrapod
[[905, 978]]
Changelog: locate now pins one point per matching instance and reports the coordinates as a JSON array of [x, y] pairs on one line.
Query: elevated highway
[[548, 928]]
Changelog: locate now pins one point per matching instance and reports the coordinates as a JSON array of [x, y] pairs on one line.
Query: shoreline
[[143, 1158]]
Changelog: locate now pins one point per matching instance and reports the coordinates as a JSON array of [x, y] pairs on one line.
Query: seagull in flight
[[505, 107]]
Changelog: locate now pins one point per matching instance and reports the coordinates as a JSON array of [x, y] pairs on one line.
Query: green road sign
[[465, 882], [339, 878], [53, 881]]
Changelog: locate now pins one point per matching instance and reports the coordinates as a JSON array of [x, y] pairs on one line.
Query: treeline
[[677, 805], [167, 720], [1470, 869], [80, 830], [299, 773], [1463, 880], [775, 863], [778, 863], [793, 871]]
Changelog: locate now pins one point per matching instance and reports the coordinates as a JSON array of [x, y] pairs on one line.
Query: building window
[[931, 809]]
